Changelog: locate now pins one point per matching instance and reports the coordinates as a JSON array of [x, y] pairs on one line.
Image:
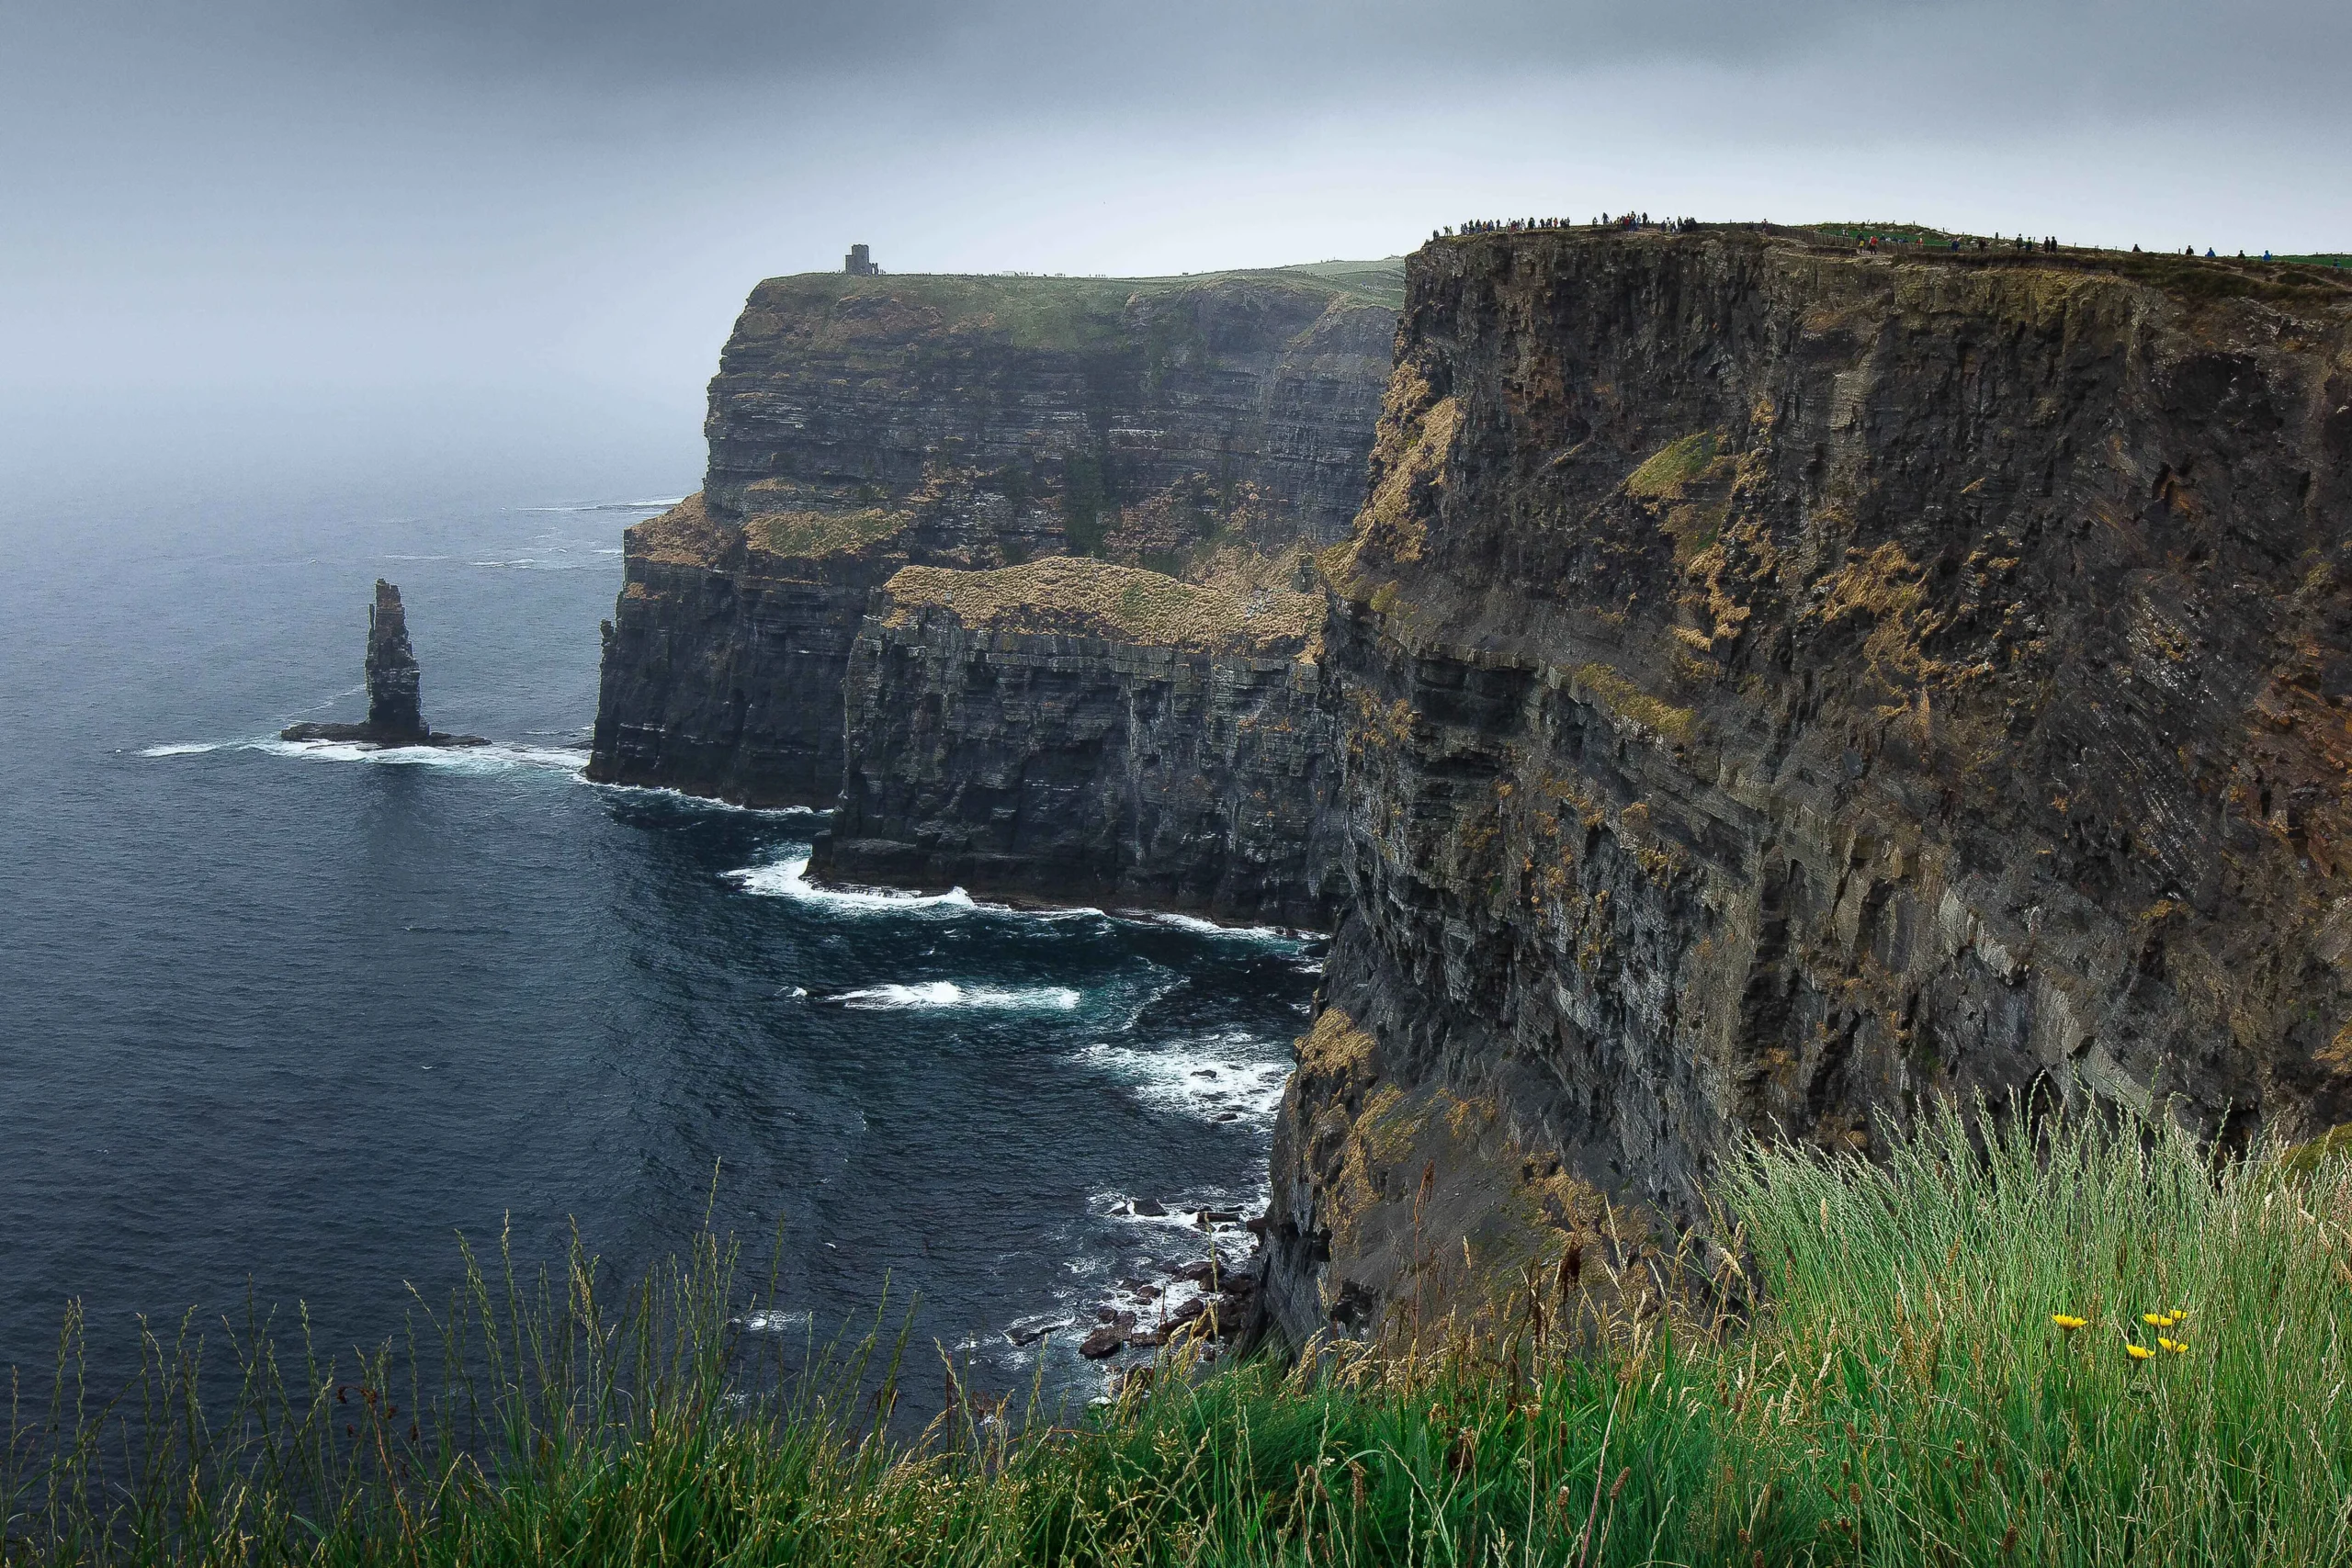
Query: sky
[[510, 235]]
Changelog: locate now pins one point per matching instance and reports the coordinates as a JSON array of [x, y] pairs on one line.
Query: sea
[[283, 1027]]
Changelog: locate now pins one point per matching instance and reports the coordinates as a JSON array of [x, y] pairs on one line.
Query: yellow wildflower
[[2155, 1320], [2068, 1323], [2175, 1346], [2138, 1352]]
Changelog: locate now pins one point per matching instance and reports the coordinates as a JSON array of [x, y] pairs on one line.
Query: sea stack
[[395, 707]]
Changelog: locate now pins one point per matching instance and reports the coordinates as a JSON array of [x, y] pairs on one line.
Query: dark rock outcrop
[[1081, 731], [395, 700], [862, 424], [1780, 689]]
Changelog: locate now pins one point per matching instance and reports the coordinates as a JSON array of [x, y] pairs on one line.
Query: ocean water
[[287, 1021]]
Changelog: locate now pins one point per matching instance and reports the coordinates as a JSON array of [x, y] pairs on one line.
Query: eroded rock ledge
[[1083, 731], [1778, 688]]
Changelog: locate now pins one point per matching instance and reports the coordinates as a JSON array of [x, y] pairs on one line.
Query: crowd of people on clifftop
[[1863, 239], [2018, 243], [1626, 220]]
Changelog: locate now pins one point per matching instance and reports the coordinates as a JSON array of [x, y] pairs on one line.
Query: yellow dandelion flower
[[2155, 1320], [2068, 1323], [2177, 1314], [2138, 1352], [2175, 1346]]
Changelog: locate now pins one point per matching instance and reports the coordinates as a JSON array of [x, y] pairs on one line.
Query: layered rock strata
[[395, 688], [1780, 689], [1078, 730], [862, 424]]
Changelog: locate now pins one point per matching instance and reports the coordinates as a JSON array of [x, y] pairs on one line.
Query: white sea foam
[[789, 879], [683, 798], [1210, 927], [1208, 1076], [934, 995], [492, 759], [605, 506]]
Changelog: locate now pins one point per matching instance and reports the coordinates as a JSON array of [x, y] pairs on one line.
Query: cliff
[[858, 425], [1780, 689], [1078, 730]]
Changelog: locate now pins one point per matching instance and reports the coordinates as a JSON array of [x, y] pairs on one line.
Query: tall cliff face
[[1780, 688], [1078, 730], [861, 425]]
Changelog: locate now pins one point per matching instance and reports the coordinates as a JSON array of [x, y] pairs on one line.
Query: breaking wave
[[1210, 927], [492, 759], [789, 879], [1226, 1076], [942, 994]]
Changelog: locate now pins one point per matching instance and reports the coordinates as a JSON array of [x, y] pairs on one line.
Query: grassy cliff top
[[1056, 312], [1997, 1345], [683, 535], [2313, 280], [1071, 595]]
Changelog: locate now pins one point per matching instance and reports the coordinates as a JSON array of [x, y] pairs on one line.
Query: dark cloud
[[486, 196], [2156, 57]]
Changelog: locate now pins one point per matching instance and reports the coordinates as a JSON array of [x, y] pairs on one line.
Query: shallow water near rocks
[[292, 1018]]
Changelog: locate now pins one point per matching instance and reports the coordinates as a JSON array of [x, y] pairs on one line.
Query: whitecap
[[789, 879], [1210, 927], [184, 748], [712, 802], [492, 759], [1222, 1076], [603, 506], [934, 995]]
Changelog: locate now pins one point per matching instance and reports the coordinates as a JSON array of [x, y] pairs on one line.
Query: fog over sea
[[290, 1020]]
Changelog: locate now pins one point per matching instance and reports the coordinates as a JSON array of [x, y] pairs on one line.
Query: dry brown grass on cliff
[[1414, 442], [1624, 700], [1072, 596], [809, 535], [683, 535]]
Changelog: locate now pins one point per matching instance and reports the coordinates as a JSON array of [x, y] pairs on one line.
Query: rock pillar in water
[[395, 713], [395, 707]]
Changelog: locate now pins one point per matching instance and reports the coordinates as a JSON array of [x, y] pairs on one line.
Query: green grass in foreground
[[1905, 1398]]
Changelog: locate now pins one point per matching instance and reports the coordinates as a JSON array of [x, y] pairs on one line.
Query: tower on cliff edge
[[859, 262]]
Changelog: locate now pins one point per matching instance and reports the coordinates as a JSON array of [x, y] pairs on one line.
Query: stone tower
[[859, 262]]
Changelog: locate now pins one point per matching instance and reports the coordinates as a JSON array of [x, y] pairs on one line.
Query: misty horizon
[[365, 235]]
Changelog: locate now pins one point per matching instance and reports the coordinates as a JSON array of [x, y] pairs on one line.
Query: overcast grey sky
[[414, 221]]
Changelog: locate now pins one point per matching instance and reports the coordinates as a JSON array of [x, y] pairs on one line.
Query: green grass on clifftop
[[1052, 312], [1911, 1393]]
